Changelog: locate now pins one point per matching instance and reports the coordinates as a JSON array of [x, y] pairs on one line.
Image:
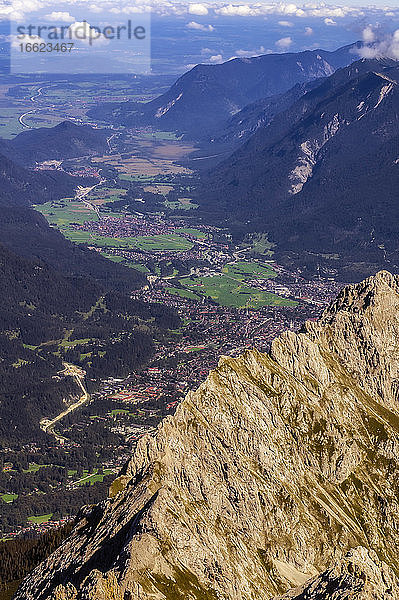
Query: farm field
[[159, 135], [131, 168], [41, 119], [66, 211], [183, 293], [249, 270], [9, 115], [230, 288], [102, 194], [195, 233], [167, 241]]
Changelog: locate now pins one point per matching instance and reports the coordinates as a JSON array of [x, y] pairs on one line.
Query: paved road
[[48, 425]]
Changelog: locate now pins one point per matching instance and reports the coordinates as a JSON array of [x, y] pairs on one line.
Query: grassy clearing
[[261, 244], [34, 468], [39, 519], [163, 242], [195, 233], [181, 204], [249, 270], [139, 267], [66, 211], [94, 477], [9, 498], [183, 293], [68, 344]]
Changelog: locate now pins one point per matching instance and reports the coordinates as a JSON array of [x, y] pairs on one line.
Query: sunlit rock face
[[278, 477]]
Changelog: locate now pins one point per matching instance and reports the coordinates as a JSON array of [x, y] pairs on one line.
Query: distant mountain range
[[202, 99], [65, 140], [322, 177]]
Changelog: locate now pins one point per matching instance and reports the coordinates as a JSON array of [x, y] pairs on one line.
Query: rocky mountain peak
[[277, 476]]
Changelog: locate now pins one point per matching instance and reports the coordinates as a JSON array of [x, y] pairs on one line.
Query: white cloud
[[238, 10], [198, 9], [388, 47], [308, 31], [368, 35], [216, 59], [328, 21], [63, 17], [83, 32], [249, 53], [286, 24], [286, 10], [95, 8], [284, 43], [199, 26]]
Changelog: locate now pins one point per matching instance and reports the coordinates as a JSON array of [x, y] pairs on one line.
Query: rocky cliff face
[[280, 471]]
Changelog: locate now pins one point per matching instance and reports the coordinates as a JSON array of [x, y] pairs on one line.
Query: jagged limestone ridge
[[360, 575], [272, 470]]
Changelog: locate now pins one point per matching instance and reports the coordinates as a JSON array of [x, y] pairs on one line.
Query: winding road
[[47, 425]]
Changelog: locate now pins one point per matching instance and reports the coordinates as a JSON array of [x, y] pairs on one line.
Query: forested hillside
[[44, 315], [65, 140]]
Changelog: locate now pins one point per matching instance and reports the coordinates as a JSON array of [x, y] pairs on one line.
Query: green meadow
[[230, 288]]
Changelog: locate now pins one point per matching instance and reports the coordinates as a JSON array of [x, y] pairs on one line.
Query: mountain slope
[[274, 469], [65, 140], [258, 115], [207, 95], [19, 186], [323, 176], [27, 233], [39, 309], [360, 575]]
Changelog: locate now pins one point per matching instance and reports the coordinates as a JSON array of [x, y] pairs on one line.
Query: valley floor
[[141, 213]]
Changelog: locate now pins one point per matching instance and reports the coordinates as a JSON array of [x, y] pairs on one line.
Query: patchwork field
[[102, 194], [66, 211], [135, 166]]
